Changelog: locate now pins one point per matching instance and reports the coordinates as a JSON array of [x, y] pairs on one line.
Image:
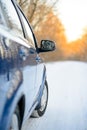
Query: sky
[[73, 14]]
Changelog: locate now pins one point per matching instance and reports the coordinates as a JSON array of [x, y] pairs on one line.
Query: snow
[[67, 106]]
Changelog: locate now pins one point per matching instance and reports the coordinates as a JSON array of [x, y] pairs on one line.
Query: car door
[[28, 63], [30, 69], [39, 63], [26, 53], [40, 67]]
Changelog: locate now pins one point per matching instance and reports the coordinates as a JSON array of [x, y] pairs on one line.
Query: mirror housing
[[47, 45]]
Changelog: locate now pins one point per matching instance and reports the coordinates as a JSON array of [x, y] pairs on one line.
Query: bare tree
[[37, 10], [24, 5]]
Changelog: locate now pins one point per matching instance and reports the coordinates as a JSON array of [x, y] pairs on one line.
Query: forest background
[[44, 19]]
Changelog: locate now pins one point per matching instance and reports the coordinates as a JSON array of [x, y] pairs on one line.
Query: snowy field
[[67, 106]]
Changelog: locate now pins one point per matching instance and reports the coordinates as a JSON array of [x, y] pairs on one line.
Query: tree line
[[43, 17]]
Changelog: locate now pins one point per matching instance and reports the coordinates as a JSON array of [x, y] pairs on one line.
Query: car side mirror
[[47, 45]]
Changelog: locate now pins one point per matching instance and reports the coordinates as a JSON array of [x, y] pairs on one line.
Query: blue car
[[23, 83]]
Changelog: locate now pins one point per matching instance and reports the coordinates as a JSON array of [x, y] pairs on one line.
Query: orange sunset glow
[[73, 14]]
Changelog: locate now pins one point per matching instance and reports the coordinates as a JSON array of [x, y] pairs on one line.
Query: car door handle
[[38, 59]]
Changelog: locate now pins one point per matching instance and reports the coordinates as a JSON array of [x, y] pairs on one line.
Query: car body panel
[[22, 71]]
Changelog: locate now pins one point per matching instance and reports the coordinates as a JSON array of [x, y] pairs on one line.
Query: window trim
[[18, 17], [29, 27]]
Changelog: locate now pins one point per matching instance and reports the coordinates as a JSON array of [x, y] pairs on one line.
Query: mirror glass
[[47, 45]]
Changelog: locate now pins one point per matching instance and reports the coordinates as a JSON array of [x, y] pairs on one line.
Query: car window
[[27, 30], [10, 16]]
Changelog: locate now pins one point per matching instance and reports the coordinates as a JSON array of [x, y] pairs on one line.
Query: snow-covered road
[[67, 106]]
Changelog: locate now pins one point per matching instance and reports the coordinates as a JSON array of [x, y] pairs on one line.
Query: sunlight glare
[[73, 14]]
